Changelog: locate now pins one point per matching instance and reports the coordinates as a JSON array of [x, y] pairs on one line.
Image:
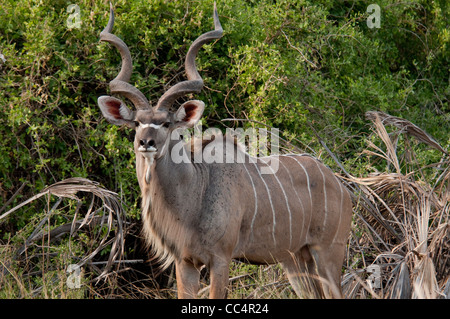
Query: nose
[[146, 143]]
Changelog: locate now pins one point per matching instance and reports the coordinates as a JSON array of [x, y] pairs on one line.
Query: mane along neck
[[164, 213]]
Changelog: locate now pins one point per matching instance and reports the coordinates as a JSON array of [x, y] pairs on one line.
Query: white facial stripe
[[155, 126]]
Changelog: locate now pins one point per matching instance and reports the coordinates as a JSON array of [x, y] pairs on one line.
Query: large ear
[[189, 113], [115, 111]]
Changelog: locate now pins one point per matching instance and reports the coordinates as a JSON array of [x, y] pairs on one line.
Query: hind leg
[[301, 272], [329, 268]]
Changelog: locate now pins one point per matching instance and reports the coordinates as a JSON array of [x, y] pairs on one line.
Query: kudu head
[[153, 125]]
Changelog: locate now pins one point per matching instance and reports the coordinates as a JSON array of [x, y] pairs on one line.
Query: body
[[282, 217], [206, 213]]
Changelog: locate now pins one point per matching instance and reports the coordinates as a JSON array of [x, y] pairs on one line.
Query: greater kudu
[[206, 214]]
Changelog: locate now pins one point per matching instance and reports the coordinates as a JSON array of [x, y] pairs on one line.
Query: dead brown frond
[[402, 215], [405, 126], [110, 214], [103, 222]]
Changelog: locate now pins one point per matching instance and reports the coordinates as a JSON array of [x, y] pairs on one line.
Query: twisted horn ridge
[[120, 83], [194, 84]]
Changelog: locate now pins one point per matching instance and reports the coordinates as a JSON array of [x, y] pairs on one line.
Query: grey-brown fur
[[205, 214]]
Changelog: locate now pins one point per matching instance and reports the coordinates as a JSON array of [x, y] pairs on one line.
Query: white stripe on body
[[298, 197], [307, 183], [325, 199], [271, 205], [287, 202], [256, 201], [340, 214]]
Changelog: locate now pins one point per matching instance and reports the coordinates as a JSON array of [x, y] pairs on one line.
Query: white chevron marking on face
[[155, 126]]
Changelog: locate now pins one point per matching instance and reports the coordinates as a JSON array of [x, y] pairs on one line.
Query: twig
[[299, 51], [13, 197], [33, 235]]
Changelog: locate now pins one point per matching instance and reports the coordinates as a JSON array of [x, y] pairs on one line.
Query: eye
[[166, 124], [136, 123]]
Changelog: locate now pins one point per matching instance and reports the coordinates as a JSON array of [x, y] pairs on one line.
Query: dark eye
[[166, 124], [136, 123]]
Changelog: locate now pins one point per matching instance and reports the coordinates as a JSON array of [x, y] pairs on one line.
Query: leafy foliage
[[295, 65]]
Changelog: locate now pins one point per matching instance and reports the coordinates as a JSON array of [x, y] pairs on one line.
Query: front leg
[[219, 270], [188, 279]]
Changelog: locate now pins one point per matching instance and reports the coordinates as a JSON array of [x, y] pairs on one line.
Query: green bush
[[289, 64], [283, 63]]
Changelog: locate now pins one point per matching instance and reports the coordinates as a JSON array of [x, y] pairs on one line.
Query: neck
[[170, 201], [174, 167], [172, 176]]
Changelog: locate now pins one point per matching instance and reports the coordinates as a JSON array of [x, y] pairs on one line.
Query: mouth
[[148, 152]]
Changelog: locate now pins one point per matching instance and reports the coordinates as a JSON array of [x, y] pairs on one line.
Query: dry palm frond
[[425, 283], [439, 248], [108, 215], [405, 126], [401, 287], [391, 155], [446, 289], [416, 262]]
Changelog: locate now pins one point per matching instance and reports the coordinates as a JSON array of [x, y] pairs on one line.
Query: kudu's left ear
[[189, 113], [115, 111]]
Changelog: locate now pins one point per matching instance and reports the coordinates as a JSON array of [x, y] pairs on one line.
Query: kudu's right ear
[[115, 111]]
